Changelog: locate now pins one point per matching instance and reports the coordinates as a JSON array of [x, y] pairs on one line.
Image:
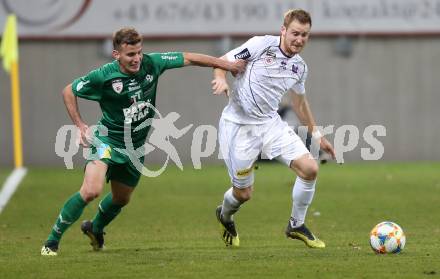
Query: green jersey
[[126, 100]]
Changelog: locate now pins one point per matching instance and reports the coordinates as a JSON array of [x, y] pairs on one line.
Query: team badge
[[117, 85], [270, 57], [269, 60]]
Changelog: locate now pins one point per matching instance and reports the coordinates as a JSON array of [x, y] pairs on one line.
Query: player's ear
[[115, 54], [283, 30]]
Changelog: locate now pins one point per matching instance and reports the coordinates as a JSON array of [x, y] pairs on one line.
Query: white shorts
[[240, 145]]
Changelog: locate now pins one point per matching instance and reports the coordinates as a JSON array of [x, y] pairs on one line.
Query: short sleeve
[[166, 60], [300, 86], [249, 50], [89, 86]]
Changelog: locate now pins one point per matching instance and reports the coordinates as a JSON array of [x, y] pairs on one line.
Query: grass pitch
[[169, 229]]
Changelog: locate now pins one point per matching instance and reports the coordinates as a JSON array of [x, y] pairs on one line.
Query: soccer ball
[[387, 237]]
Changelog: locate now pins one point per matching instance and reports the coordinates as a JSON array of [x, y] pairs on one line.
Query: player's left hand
[[327, 147], [238, 67], [220, 86]]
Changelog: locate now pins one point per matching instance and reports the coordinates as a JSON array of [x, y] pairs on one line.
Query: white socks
[[230, 206], [302, 195]]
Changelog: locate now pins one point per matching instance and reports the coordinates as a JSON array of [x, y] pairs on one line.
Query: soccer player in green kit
[[126, 92]]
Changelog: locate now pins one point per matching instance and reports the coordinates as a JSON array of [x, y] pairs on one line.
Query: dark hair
[[127, 36], [299, 15]]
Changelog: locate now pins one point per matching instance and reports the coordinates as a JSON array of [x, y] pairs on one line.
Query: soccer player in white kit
[[250, 125]]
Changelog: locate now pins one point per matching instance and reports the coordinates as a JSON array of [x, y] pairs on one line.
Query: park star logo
[[117, 85]]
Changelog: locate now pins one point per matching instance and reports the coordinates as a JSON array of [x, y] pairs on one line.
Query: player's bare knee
[[243, 194], [89, 193], [89, 196], [306, 169], [310, 171]]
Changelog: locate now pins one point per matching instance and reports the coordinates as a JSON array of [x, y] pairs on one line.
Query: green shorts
[[120, 168]]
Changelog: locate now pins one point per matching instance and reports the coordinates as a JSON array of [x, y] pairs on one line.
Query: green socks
[[106, 213], [71, 211]]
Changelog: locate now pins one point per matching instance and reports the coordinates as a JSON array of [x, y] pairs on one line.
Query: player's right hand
[[84, 137], [220, 86], [327, 147]]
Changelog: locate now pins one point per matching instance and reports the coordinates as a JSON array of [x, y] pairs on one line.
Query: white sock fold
[[302, 195], [230, 206]]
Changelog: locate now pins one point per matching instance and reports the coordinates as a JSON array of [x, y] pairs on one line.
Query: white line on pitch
[[10, 185]]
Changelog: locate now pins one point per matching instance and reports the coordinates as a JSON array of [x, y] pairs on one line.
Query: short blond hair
[[127, 36], [299, 15]]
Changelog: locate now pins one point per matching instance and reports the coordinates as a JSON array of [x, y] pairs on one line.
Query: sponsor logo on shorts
[[104, 151], [245, 172]]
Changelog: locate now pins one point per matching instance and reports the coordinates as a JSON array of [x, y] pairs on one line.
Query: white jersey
[[270, 73]]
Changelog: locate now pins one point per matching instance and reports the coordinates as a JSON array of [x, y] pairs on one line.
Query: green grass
[[169, 229], [3, 175]]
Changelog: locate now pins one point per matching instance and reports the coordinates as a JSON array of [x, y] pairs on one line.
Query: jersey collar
[[281, 50]]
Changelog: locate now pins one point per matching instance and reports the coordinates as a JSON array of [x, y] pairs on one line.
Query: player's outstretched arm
[[70, 100], [302, 109], [203, 60]]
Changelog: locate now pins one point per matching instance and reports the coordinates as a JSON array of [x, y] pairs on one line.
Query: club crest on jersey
[[117, 85], [269, 60]]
